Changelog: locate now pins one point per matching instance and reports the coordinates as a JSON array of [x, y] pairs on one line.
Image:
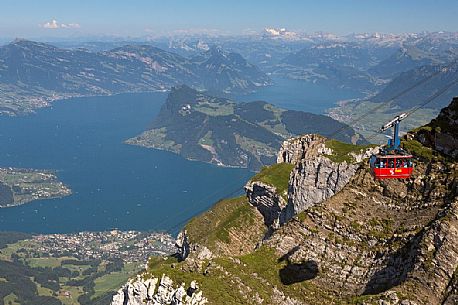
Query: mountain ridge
[[223, 132], [427, 79], [33, 74]]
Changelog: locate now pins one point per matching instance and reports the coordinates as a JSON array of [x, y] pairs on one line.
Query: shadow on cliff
[[297, 272], [396, 267]]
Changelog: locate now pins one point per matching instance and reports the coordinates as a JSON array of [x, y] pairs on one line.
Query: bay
[[114, 185], [122, 186]]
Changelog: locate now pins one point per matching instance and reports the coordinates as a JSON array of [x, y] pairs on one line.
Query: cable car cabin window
[[379, 163], [391, 163]]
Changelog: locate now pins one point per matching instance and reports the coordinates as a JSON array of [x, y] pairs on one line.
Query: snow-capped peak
[[279, 32]]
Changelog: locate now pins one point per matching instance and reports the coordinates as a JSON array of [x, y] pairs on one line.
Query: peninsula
[[19, 186], [216, 130]]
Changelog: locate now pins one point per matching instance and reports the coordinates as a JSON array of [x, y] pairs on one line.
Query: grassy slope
[[276, 175], [416, 148], [114, 280], [342, 151], [239, 280], [218, 228]]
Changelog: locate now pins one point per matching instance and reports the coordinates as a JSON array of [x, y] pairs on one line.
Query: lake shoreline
[[25, 185], [114, 185], [119, 185]]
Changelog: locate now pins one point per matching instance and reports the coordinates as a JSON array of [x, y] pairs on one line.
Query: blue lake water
[[300, 95], [117, 185], [114, 185]]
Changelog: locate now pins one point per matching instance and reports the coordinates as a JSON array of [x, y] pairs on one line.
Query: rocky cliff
[[441, 134], [151, 291], [321, 168], [317, 228]]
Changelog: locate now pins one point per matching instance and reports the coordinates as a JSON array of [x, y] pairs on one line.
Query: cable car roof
[[394, 156]]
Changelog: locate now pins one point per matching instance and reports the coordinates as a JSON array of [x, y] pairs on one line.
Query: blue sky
[[34, 18]]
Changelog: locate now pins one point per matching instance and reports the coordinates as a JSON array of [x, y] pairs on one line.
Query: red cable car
[[392, 166], [392, 162]]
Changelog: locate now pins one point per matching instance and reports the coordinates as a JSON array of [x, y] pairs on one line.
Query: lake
[[299, 95], [117, 185], [114, 185]]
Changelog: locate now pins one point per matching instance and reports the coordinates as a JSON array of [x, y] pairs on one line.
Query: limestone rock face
[[434, 268], [182, 245], [306, 146], [357, 254], [185, 250], [268, 202], [442, 133], [135, 292], [315, 180], [144, 292]]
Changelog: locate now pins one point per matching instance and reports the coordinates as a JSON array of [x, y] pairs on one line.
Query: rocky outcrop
[[313, 181], [359, 236], [268, 202], [304, 147], [426, 270], [363, 244], [193, 253], [442, 133], [436, 263], [182, 245], [153, 291]]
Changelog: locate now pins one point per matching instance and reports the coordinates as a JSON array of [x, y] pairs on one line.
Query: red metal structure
[[392, 162], [392, 166]]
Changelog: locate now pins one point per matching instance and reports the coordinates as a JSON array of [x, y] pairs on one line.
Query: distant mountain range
[[371, 64], [337, 64], [216, 130], [425, 81], [273, 45], [413, 56], [32, 73]]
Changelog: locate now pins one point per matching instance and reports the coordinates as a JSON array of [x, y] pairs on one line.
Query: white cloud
[[53, 24]]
